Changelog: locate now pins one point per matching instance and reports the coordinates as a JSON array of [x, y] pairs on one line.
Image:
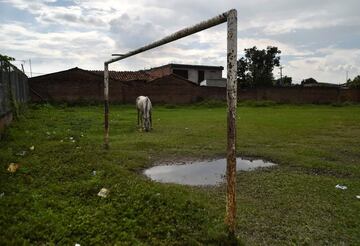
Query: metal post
[[106, 105], [230, 218]]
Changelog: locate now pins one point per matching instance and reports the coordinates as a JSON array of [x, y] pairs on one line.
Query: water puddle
[[211, 172]]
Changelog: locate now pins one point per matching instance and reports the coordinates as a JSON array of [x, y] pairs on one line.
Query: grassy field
[[52, 198]]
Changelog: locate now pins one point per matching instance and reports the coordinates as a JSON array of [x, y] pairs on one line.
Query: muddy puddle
[[210, 172]]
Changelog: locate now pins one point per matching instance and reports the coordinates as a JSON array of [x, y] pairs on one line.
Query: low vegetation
[[52, 198]]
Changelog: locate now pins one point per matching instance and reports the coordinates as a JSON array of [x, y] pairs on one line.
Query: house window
[[201, 76], [182, 73]]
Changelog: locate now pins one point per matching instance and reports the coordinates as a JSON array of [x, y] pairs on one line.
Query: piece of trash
[[13, 167], [2, 194], [32, 148], [82, 135], [94, 173], [103, 192], [341, 187], [73, 141], [77, 244], [71, 138], [21, 153], [358, 197]]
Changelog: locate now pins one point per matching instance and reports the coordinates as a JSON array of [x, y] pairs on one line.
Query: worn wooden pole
[[106, 105], [230, 218]]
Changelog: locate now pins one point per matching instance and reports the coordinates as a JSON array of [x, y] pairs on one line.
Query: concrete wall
[[213, 74], [14, 90], [208, 74], [193, 75], [214, 82]]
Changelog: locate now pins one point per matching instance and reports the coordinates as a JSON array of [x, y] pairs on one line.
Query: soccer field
[[52, 198]]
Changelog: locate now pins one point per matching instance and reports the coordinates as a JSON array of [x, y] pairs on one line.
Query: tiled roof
[[125, 75], [172, 78]]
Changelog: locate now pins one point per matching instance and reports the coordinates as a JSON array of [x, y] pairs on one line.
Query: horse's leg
[[150, 120], [138, 112], [141, 121]]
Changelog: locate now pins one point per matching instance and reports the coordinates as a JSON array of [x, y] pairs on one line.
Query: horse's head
[[147, 124]]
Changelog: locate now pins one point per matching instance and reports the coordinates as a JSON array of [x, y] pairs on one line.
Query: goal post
[[231, 89]]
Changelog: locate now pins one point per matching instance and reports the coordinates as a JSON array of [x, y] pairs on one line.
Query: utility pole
[[30, 68], [281, 80]]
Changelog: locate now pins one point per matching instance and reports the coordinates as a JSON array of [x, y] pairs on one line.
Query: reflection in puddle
[[210, 172]]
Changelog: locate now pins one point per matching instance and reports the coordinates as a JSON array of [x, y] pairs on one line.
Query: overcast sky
[[318, 38]]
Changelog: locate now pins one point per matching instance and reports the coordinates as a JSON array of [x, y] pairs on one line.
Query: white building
[[194, 73]]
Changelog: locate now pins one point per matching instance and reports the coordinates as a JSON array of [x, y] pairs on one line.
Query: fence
[[14, 92]]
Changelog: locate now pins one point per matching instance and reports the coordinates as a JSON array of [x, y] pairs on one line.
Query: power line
[[34, 72]]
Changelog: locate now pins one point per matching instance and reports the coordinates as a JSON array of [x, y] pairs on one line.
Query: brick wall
[[76, 85], [71, 86]]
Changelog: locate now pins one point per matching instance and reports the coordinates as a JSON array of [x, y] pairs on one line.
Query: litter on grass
[[341, 187], [103, 192], [358, 197], [13, 167], [21, 153], [94, 173], [32, 148]]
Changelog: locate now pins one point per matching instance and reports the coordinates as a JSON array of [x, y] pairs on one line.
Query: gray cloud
[[132, 32], [318, 38]]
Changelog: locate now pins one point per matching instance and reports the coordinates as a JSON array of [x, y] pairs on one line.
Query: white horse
[[144, 107]]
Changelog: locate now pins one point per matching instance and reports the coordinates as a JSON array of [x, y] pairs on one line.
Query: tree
[[256, 68], [355, 83], [6, 58], [244, 79]]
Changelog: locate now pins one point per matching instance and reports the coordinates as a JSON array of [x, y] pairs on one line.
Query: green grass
[[52, 198]]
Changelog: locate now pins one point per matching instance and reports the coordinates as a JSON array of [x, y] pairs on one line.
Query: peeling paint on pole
[[106, 105], [230, 218]]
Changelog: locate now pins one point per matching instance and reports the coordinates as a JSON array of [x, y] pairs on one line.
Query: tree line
[[255, 69]]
